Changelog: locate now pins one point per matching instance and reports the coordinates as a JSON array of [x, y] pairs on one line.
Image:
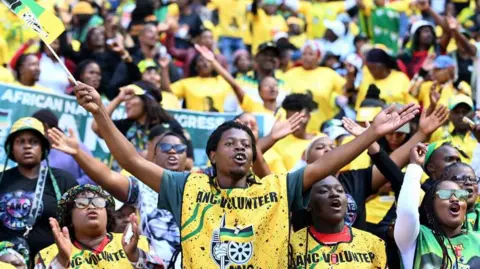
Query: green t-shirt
[[466, 250], [473, 219], [382, 26], [173, 183]]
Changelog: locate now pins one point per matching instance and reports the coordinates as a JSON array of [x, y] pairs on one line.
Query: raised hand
[[282, 128], [452, 23], [205, 52], [417, 154], [63, 242], [390, 120], [428, 62], [353, 128], [62, 142], [116, 46], [430, 122], [88, 97], [164, 61], [423, 5], [130, 247]]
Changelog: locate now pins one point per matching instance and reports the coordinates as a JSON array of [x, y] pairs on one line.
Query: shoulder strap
[[37, 199]]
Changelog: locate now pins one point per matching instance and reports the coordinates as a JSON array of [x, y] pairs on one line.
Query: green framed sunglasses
[[446, 194]]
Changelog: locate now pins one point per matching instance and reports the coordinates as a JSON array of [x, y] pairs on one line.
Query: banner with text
[[17, 102]]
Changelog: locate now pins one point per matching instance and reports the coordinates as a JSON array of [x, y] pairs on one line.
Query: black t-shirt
[[125, 124], [16, 198]]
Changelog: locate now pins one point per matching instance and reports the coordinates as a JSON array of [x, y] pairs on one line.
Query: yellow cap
[[146, 64], [295, 20], [24, 124], [136, 90], [83, 8], [460, 99], [365, 114]]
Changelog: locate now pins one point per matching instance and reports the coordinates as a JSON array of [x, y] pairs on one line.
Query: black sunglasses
[[166, 147], [464, 179]]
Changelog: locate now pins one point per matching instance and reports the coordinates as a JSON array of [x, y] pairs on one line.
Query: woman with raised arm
[[432, 236], [267, 88], [228, 217]]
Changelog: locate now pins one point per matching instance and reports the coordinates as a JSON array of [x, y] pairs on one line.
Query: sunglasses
[[446, 194], [165, 147], [83, 202], [465, 179]]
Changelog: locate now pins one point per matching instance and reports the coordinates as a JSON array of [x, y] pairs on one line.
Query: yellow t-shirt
[[4, 56], [291, 150], [393, 89], [274, 162], [252, 106], [170, 101], [264, 28], [36, 87], [448, 92], [324, 84], [317, 12], [364, 251], [232, 15], [6, 75], [6, 266], [466, 143], [202, 94], [361, 162]]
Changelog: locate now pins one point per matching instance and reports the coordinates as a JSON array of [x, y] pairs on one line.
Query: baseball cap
[[145, 65], [443, 61], [460, 99], [30, 124], [83, 8], [337, 27], [355, 60], [268, 46], [144, 88], [296, 20], [418, 24], [365, 114]]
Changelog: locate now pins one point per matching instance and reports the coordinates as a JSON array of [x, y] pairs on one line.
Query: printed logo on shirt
[[351, 215], [232, 245], [237, 202], [341, 257], [15, 207]]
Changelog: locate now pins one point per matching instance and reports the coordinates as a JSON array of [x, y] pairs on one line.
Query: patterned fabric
[[138, 136], [70, 195], [158, 225]]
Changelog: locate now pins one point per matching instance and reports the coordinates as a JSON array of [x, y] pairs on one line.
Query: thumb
[[71, 133], [367, 124]]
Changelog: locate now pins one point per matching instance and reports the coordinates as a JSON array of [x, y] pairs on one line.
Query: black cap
[[268, 46]]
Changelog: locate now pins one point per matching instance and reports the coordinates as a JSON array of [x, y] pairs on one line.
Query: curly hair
[[429, 218], [298, 102], [214, 139], [65, 219]]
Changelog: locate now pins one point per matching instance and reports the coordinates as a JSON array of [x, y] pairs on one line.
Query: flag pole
[[61, 63]]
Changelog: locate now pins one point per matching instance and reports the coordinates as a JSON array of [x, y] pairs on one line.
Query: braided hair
[[212, 145], [429, 218]]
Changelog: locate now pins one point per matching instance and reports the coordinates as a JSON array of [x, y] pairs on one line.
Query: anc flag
[[37, 18], [241, 236]]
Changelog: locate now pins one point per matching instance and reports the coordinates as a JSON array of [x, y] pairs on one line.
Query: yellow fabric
[[317, 12], [6, 75], [274, 162], [393, 89], [112, 255], [4, 59], [467, 143], [14, 31], [361, 162], [447, 93], [173, 10], [264, 27], [36, 87], [324, 84], [6, 266], [291, 150], [170, 101], [196, 91], [232, 16], [378, 207], [365, 251], [298, 40], [213, 218], [252, 106]]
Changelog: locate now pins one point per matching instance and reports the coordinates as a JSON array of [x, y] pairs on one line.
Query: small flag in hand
[[45, 23]]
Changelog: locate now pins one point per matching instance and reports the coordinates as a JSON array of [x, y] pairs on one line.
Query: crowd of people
[[371, 160]]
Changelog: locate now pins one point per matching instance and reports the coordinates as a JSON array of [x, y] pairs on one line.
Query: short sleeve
[[171, 192], [178, 88], [249, 105], [133, 191], [297, 199]]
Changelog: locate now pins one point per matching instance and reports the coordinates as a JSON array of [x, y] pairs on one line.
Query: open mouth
[[240, 158], [454, 209], [336, 204], [470, 192], [172, 160]]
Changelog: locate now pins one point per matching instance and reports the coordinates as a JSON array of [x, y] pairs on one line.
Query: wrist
[[134, 256], [65, 262]]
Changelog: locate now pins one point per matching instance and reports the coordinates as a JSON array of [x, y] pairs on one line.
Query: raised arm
[[112, 106], [460, 39], [387, 121], [113, 182], [207, 54], [280, 129], [407, 225], [123, 151]]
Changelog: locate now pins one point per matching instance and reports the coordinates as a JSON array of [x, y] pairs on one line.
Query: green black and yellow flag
[[37, 18]]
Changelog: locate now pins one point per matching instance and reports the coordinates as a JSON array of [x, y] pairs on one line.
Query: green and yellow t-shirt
[[473, 219], [112, 256], [393, 89], [232, 17], [364, 250], [448, 92], [202, 94], [231, 228], [324, 84], [464, 249]]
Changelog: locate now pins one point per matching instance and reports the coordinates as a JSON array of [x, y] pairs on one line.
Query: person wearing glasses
[[83, 234], [464, 175], [167, 150], [433, 237]]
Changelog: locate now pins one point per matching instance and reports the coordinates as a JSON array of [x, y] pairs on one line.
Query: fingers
[[296, 119], [367, 124], [53, 136], [65, 232], [71, 133], [410, 109], [390, 109]]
